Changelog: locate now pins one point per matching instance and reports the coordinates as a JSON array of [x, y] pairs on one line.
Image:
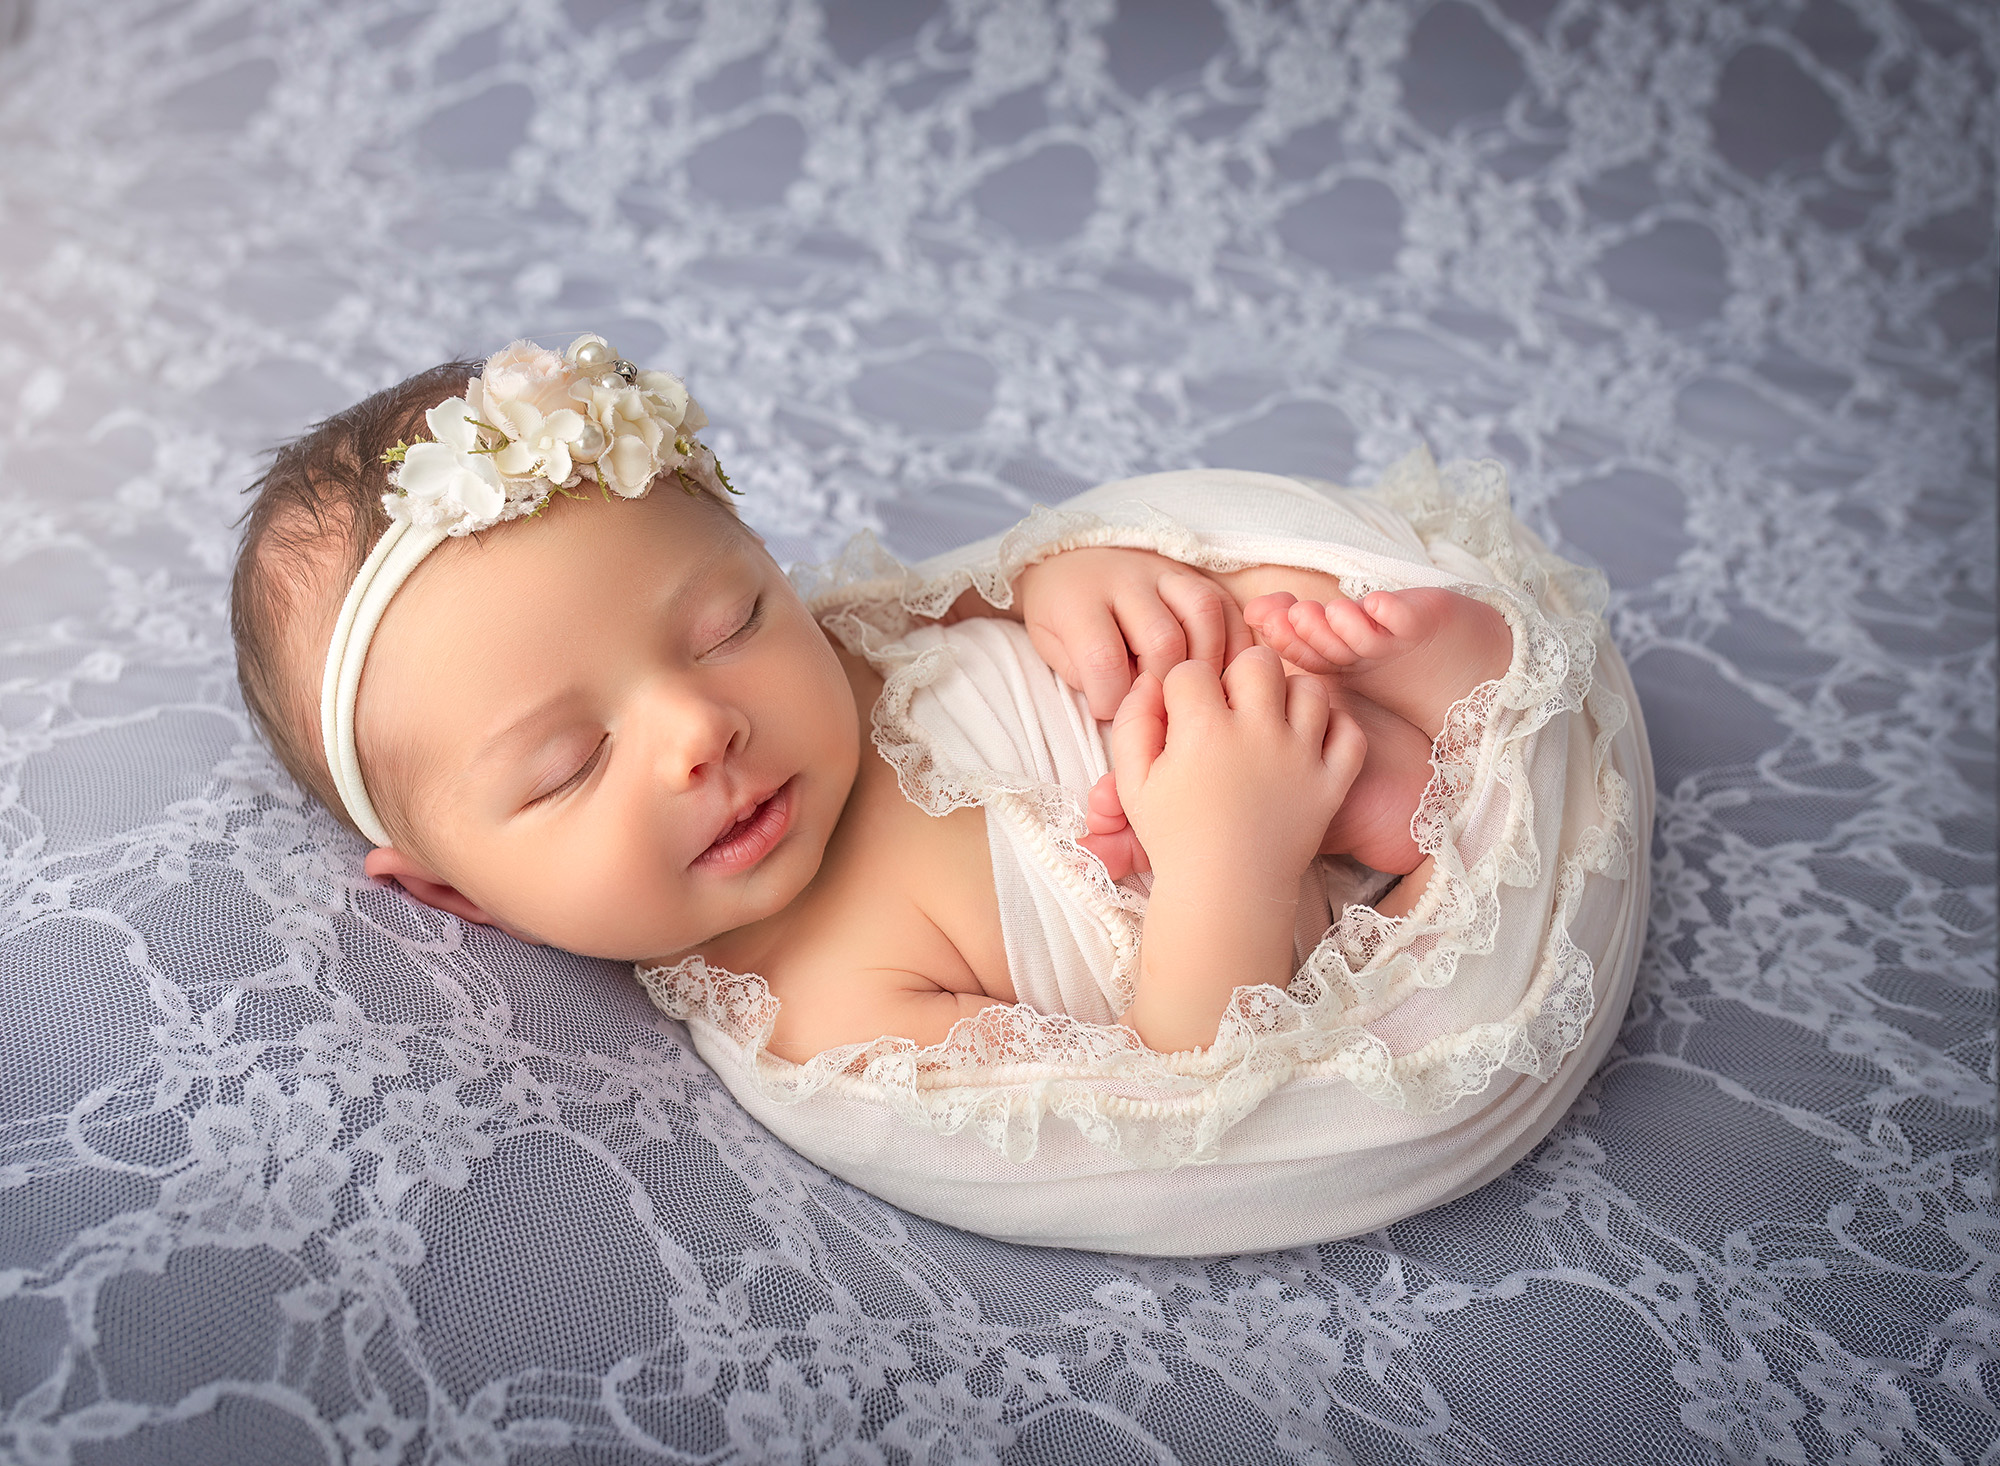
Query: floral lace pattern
[[293, 1170]]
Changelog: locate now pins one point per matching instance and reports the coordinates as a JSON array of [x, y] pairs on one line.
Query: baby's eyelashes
[[575, 778], [743, 629]]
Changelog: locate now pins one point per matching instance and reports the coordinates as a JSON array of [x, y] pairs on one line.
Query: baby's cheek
[[558, 900]]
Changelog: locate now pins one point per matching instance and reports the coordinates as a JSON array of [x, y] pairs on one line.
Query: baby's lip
[[739, 813]]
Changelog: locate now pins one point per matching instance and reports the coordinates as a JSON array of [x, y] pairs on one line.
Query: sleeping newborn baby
[[1229, 819], [617, 728]]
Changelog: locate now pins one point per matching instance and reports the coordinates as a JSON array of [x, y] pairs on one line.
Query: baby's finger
[[1051, 649], [1255, 683], [1240, 638], [1138, 735], [1096, 649], [1192, 690], [1307, 708], [1208, 617], [1152, 631]]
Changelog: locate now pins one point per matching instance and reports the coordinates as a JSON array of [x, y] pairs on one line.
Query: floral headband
[[532, 424]]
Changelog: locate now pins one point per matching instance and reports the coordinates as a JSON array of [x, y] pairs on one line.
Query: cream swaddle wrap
[[1408, 1062]]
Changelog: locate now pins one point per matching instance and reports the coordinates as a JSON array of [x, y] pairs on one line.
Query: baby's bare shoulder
[[900, 933]]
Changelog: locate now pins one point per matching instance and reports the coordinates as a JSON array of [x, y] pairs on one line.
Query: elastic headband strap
[[400, 550]]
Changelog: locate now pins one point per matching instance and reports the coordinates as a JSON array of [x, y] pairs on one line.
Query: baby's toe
[[1405, 614], [1104, 812], [1268, 607], [1121, 854], [1357, 628], [1315, 626]]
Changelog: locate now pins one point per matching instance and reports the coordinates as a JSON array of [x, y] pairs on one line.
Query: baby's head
[[612, 725]]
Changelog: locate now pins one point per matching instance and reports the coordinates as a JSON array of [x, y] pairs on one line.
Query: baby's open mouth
[[752, 837]]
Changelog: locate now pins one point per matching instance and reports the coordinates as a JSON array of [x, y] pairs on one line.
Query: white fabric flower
[[454, 424], [641, 440], [621, 409], [666, 395], [448, 482], [536, 445], [628, 468], [525, 373]]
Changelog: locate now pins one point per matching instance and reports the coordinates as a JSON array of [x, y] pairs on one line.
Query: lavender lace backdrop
[[293, 1171]]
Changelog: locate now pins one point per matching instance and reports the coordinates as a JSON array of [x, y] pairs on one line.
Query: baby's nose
[[698, 742]]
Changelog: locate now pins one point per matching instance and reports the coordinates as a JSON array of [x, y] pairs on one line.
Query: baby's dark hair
[[317, 513]]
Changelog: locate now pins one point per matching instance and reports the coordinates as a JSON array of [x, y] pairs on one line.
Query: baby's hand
[[1233, 779], [1093, 613]]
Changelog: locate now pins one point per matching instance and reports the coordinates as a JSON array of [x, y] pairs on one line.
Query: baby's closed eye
[[739, 628], [578, 770]]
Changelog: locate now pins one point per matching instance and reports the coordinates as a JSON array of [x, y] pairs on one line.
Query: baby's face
[[618, 728]]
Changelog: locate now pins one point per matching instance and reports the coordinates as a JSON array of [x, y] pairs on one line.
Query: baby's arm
[[1230, 782]]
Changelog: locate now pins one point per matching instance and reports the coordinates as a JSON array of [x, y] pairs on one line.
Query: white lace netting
[[999, 1074], [293, 1171]]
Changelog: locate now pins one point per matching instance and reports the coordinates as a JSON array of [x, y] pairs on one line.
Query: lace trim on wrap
[[998, 1073], [1368, 964]]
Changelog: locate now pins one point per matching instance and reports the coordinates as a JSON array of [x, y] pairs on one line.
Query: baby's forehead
[[537, 594]]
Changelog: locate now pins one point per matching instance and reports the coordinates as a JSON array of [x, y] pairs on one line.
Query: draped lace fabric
[[1417, 1014], [294, 1171]]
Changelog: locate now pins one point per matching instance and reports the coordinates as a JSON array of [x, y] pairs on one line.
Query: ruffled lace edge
[[1001, 1071]]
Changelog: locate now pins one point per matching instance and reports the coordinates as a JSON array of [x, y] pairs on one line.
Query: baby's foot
[[1416, 652], [1373, 822], [1111, 837]]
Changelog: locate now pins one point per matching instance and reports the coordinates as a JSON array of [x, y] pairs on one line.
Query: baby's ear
[[386, 863]]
